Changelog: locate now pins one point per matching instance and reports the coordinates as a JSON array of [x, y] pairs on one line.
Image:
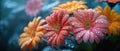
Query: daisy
[[32, 34], [110, 1], [89, 25], [33, 7], [57, 27], [72, 6], [114, 20]]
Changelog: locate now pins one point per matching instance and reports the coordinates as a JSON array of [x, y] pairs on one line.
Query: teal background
[[13, 19]]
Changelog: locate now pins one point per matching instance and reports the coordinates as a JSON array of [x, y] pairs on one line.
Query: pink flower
[[89, 25], [110, 1], [33, 7], [57, 27]]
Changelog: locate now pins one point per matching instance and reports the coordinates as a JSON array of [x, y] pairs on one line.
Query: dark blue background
[[13, 19]]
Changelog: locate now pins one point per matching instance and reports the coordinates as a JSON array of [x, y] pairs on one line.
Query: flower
[[110, 1], [114, 20], [33, 7], [89, 25], [57, 27], [32, 34], [72, 6]]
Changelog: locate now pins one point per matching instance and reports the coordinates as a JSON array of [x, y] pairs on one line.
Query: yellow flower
[[71, 6], [32, 34], [114, 19]]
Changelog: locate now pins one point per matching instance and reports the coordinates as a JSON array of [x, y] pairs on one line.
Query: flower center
[[33, 7], [33, 35], [57, 27], [88, 25]]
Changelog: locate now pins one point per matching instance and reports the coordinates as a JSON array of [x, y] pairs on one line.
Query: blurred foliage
[[13, 19]]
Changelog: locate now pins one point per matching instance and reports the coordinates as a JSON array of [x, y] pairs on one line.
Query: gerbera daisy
[[89, 25], [33, 7], [32, 34], [57, 27], [72, 6], [110, 1], [114, 19]]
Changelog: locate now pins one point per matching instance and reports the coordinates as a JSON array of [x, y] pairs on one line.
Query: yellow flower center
[[32, 33], [88, 25], [57, 27]]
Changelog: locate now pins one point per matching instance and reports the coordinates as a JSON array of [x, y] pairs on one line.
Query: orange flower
[[114, 19], [72, 6], [32, 34]]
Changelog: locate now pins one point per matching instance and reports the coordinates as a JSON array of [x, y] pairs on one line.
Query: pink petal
[[54, 15], [64, 32], [102, 19], [65, 18], [96, 14], [102, 30], [67, 28], [74, 22], [98, 33], [86, 36], [91, 14], [78, 30], [61, 36], [80, 15], [62, 41], [49, 34], [100, 25], [97, 40], [58, 41], [91, 37], [47, 27], [54, 41], [80, 35], [53, 18], [50, 40], [66, 23], [48, 20]]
